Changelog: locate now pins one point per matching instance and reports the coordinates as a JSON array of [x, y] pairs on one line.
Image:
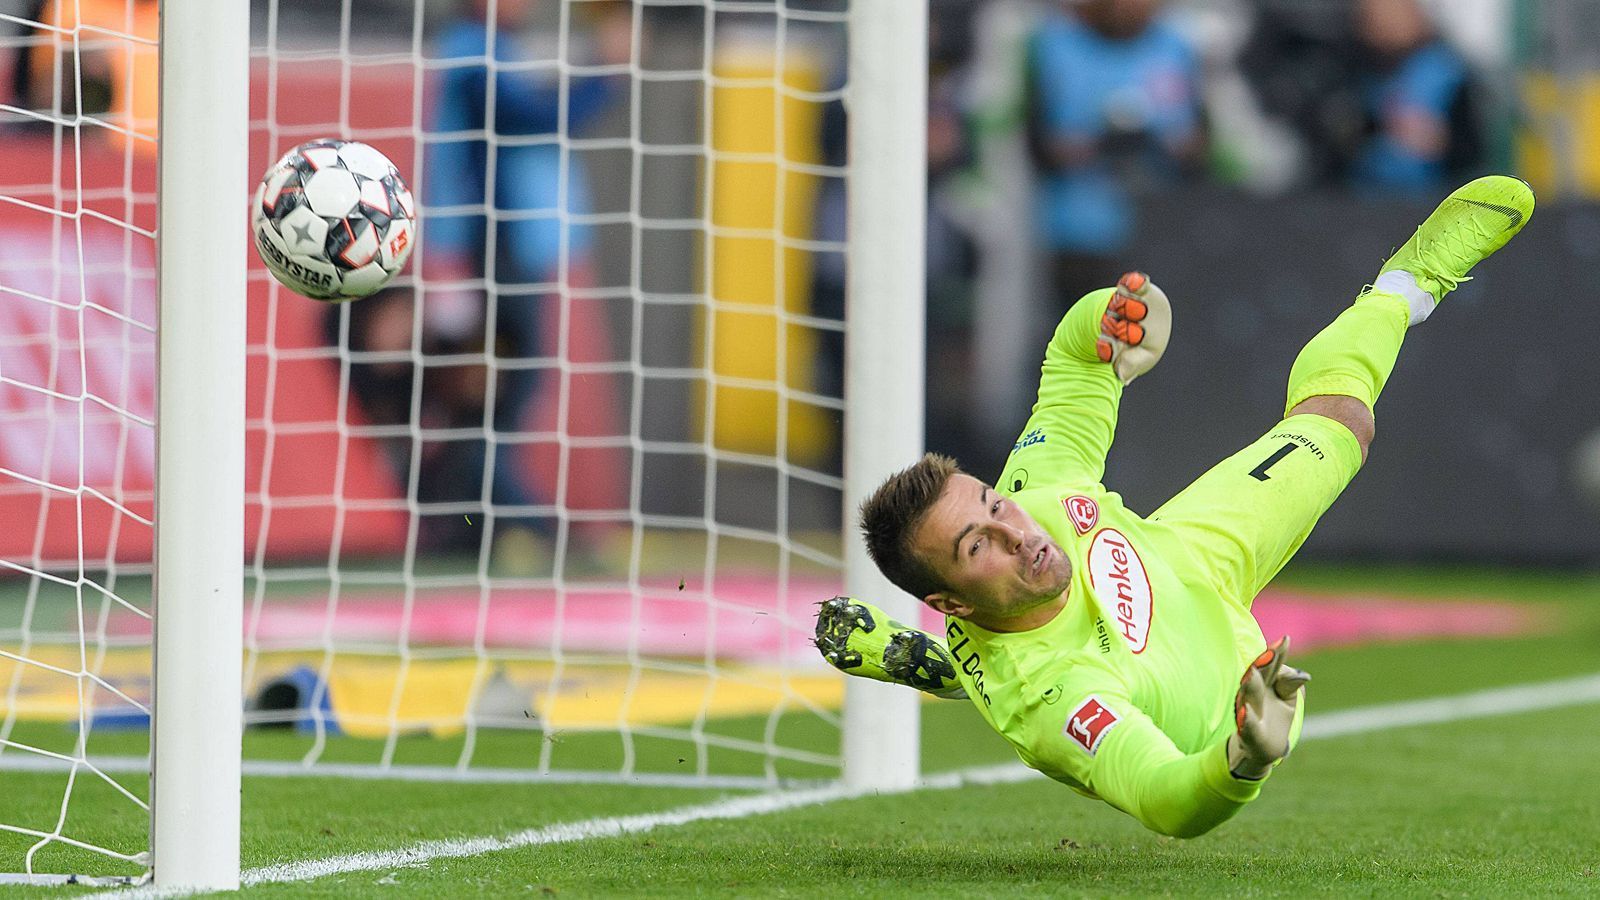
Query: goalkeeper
[[1105, 646]]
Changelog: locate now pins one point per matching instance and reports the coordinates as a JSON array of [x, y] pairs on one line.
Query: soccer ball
[[333, 220]]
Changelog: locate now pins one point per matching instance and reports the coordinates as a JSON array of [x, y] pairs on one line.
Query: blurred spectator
[[521, 182], [1115, 106], [1376, 97], [383, 384], [1416, 93], [115, 78], [1297, 59], [14, 37]]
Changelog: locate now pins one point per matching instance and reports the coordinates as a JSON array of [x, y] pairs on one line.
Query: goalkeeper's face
[[1000, 568]]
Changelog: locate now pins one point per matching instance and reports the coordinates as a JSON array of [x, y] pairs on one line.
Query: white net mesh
[[556, 505], [77, 312], [559, 503]]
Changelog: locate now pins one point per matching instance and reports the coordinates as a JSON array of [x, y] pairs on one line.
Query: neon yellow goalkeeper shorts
[[1241, 521]]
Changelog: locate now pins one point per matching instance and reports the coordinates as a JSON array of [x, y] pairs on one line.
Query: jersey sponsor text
[[1300, 439], [1119, 577], [1036, 436], [967, 658]]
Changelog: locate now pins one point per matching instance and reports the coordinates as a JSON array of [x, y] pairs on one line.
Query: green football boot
[[1477, 219], [859, 639]]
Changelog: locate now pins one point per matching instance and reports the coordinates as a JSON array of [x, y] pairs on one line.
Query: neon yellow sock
[[1354, 355]]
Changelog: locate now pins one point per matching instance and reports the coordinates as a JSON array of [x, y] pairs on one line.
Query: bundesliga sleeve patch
[[1088, 724]]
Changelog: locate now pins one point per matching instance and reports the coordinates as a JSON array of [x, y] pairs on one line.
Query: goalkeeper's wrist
[[1080, 327], [1244, 765]]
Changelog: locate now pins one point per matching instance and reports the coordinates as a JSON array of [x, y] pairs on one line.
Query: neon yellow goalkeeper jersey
[[1127, 695]]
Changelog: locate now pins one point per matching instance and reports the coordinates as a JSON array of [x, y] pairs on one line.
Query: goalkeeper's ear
[[948, 605]]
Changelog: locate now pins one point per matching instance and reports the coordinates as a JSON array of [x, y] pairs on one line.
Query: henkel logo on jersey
[[1083, 512], [1118, 576], [1089, 723]]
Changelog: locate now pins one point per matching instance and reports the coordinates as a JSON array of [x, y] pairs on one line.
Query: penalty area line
[[1360, 720]]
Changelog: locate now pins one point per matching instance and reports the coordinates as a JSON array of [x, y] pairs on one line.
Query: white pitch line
[[732, 808], [1476, 705], [1382, 717], [565, 832]]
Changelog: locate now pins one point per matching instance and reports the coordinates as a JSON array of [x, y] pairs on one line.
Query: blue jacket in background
[[1429, 81], [528, 176], [1089, 87]]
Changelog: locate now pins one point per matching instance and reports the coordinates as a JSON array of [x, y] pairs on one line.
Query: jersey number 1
[[1259, 473]]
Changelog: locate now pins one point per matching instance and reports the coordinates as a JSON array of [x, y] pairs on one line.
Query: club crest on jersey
[[1089, 723], [1083, 512], [1120, 580]]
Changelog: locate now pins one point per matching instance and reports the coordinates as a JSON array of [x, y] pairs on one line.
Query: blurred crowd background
[[1258, 157]]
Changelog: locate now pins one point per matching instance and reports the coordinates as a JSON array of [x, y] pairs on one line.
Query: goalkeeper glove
[[1263, 711], [1135, 328], [858, 638]]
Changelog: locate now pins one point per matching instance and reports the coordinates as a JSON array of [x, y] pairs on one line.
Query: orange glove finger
[[1126, 307]]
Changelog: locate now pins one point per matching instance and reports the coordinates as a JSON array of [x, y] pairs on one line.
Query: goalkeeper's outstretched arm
[[1106, 340], [1110, 748]]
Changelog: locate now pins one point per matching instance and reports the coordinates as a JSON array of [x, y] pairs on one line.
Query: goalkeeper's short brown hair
[[891, 515]]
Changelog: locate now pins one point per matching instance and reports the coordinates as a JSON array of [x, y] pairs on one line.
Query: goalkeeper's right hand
[[1264, 711], [858, 638], [1135, 328]]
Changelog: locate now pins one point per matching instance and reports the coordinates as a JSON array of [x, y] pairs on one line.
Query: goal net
[[557, 504], [77, 442]]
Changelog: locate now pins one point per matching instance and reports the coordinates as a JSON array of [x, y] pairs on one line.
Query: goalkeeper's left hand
[[1263, 711], [1135, 328]]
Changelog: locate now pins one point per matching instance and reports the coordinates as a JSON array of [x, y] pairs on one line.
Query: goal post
[[200, 432], [884, 325]]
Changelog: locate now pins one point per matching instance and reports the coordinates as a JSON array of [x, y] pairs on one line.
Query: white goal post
[[200, 428], [884, 327]]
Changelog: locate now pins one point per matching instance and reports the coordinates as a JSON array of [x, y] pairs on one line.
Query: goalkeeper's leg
[[1341, 372], [1244, 519]]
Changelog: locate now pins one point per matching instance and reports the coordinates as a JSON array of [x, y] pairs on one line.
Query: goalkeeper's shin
[[1264, 711], [859, 639]]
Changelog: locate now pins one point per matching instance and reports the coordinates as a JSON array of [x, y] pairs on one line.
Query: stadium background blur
[[1258, 157], [1256, 175]]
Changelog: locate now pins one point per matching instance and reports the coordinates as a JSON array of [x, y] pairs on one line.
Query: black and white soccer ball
[[333, 220]]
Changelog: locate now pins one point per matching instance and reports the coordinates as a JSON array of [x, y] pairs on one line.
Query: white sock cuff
[[1404, 284]]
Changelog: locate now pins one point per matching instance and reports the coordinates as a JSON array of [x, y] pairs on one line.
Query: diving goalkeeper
[[1108, 647]]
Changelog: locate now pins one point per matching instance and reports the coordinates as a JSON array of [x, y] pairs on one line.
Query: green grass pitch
[[1501, 806]]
